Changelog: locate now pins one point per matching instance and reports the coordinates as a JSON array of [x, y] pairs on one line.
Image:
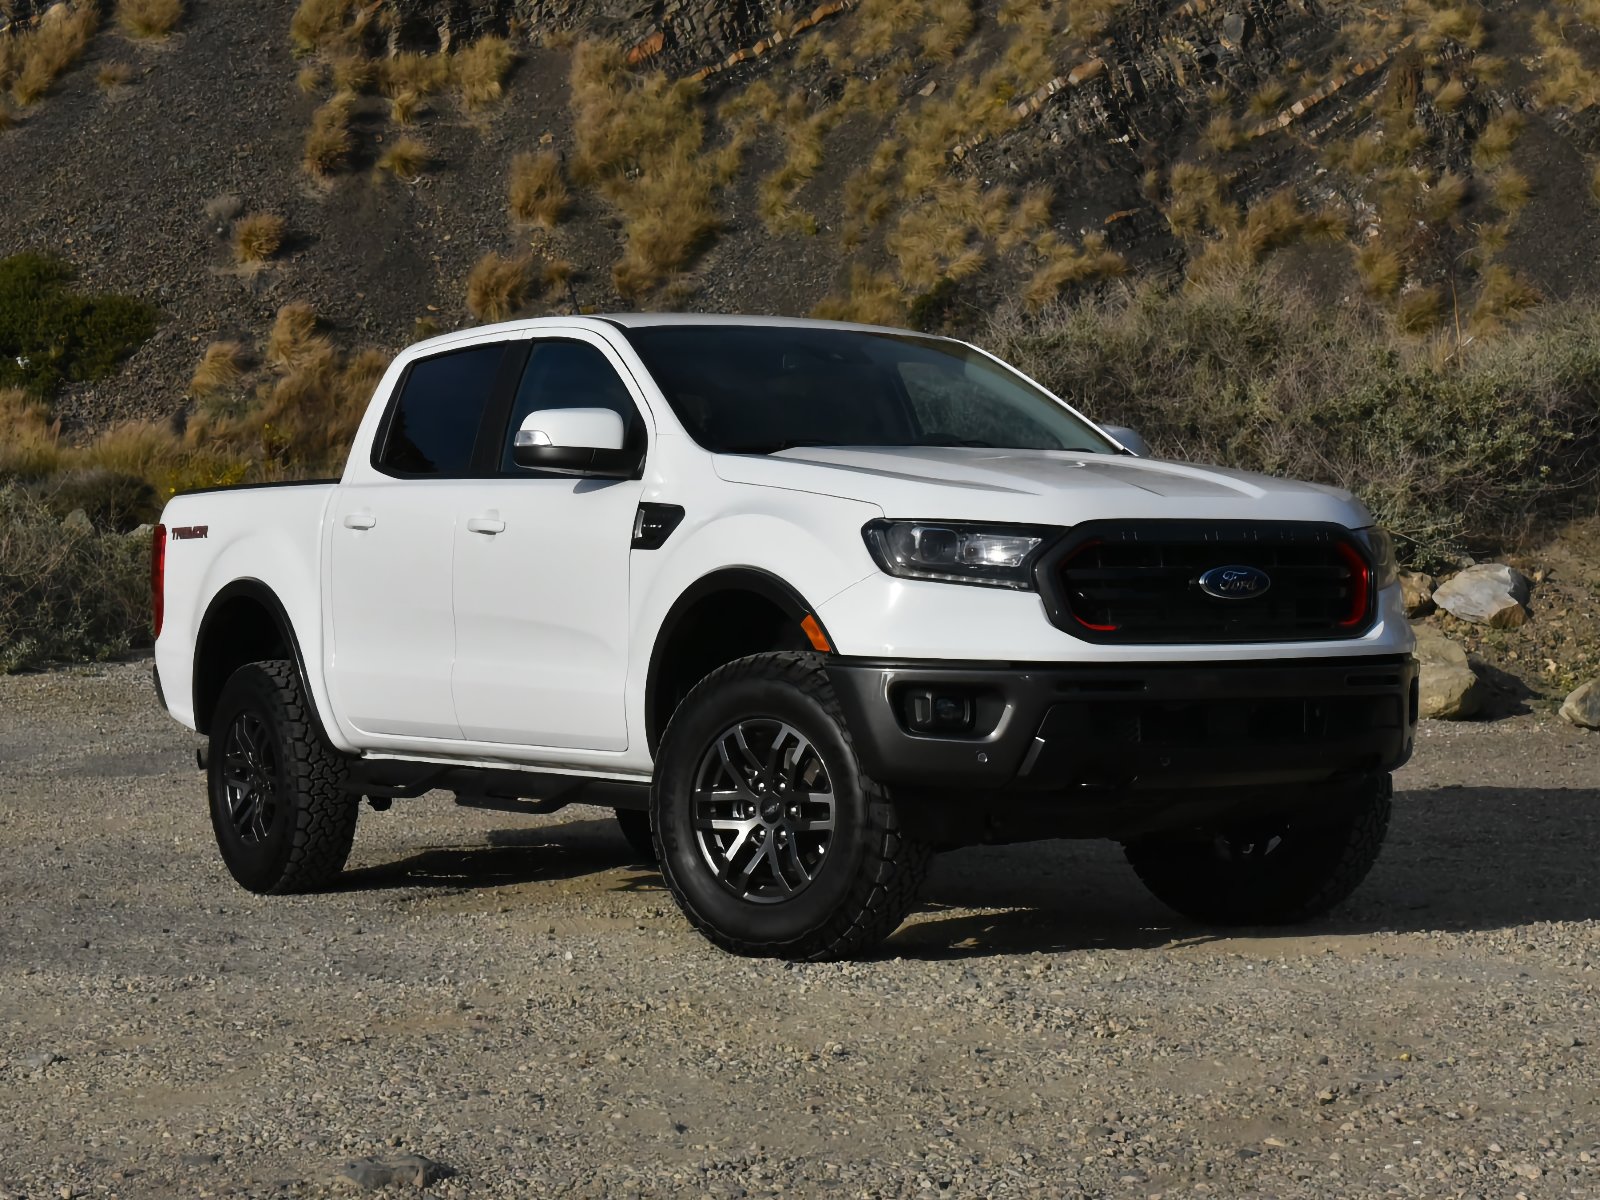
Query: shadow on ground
[[537, 854], [1456, 858]]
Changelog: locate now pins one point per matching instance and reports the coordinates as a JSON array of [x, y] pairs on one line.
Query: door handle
[[485, 525], [359, 521]]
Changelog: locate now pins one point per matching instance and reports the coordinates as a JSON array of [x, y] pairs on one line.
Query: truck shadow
[[536, 854], [1457, 858]]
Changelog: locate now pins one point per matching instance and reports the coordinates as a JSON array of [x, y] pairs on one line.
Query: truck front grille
[[1141, 582]]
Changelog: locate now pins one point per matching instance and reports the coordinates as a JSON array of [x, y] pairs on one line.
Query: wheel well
[[713, 630], [240, 629]]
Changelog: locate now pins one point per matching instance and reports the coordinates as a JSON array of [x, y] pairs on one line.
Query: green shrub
[[68, 592], [1447, 444], [51, 334]]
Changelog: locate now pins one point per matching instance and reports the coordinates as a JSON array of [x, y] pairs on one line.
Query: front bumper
[[1053, 727]]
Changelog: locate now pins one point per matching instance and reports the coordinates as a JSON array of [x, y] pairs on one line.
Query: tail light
[[158, 577]]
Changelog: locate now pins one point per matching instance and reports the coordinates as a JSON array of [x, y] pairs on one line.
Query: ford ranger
[[804, 602]]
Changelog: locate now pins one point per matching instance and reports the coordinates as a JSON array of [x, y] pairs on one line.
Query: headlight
[[1380, 549], [957, 552]]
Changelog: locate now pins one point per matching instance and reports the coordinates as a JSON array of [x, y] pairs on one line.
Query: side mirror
[[1129, 438], [575, 441]]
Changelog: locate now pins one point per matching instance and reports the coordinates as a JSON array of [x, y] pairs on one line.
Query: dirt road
[[512, 998]]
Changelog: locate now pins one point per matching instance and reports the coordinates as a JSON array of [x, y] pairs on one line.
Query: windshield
[[752, 389]]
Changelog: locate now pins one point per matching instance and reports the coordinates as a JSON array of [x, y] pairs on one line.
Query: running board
[[491, 788]]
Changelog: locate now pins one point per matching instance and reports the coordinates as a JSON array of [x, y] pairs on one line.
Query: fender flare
[[762, 583], [262, 594]]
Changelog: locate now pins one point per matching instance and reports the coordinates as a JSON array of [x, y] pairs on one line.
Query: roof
[[479, 333]]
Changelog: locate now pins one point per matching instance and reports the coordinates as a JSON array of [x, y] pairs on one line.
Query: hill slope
[[915, 161]]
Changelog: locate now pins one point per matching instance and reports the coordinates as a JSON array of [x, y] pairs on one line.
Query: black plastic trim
[[1028, 701], [728, 579], [256, 590], [654, 523]]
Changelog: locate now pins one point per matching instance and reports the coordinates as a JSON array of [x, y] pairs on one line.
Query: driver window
[[569, 375]]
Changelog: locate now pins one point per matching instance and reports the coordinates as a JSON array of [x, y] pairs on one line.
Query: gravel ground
[[511, 998]]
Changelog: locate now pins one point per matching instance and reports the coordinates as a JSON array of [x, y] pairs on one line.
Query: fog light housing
[[937, 710]]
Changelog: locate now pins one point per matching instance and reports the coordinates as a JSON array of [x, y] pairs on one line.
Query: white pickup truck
[[804, 602]]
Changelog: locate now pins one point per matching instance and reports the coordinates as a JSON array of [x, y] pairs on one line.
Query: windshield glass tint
[[746, 389]]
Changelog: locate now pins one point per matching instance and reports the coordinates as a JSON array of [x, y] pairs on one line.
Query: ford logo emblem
[[1234, 583]]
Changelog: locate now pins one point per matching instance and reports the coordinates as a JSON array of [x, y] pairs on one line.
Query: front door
[[392, 646], [541, 574]]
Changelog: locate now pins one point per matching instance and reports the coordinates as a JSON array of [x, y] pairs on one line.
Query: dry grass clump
[[942, 237], [149, 18], [408, 79], [406, 158], [640, 142], [33, 59], [327, 24], [329, 141], [1064, 264], [31, 447], [113, 75], [1088, 18], [1418, 309], [498, 286], [1496, 139], [1444, 198], [538, 193], [294, 340], [1510, 190], [257, 237], [1564, 79], [1222, 134], [351, 73], [949, 26], [480, 70], [1196, 201], [1268, 98], [221, 369], [1380, 269], [1501, 296], [874, 298], [1450, 95]]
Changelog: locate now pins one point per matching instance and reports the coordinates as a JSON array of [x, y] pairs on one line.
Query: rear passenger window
[[435, 421]]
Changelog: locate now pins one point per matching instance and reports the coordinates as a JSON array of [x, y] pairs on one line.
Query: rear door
[[541, 571], [392, 545]]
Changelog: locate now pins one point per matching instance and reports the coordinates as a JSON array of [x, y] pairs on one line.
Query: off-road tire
[[1315, 866], [871, 872], [635, 827], [303, 846]]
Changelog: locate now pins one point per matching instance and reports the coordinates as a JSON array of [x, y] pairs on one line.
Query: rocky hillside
[[922, 162]]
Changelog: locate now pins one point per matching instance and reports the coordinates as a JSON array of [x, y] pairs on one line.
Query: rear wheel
[[1274, 872], [770, 836], [282, 818]]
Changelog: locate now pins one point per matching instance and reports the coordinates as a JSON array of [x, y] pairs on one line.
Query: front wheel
[[1271, 872], [769, 835], [279, 809]]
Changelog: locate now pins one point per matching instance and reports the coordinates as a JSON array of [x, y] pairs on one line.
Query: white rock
[[1582, 707], [1450, 690], [1490, 594]]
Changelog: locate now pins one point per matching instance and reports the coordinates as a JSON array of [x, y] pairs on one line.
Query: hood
[[1042, 487]]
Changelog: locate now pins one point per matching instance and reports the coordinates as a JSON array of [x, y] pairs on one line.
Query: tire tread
[[886, 890]]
